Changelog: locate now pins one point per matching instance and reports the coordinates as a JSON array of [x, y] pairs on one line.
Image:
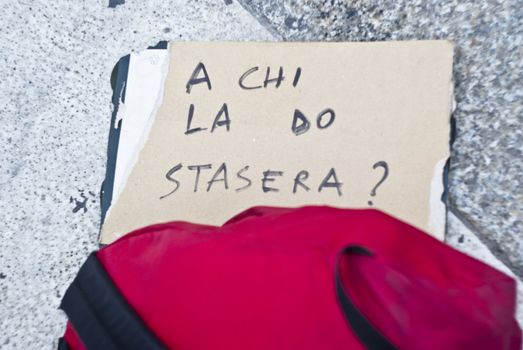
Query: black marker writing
[[190, 115], [244, 76], [296, 77], [385, 167], [194, 79], [298, 181], [198, 168], [169, 177], [224, 111], [240, 176], [221, 170], [221, 119], [268, 176], [276, 80], [329, 122], [300, 123], [301, 181], [335, 183]]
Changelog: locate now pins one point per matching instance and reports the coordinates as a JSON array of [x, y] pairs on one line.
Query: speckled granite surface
[[487, 159], [55, 63]]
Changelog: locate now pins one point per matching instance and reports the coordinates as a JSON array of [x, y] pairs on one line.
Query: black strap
[[62, 344], [99, 314], [371, 338]]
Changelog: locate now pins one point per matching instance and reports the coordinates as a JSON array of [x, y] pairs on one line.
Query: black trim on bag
[[99, 314], [62, 344], [371, 338]]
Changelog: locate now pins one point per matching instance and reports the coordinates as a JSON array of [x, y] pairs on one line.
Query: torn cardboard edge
[[120, 160]]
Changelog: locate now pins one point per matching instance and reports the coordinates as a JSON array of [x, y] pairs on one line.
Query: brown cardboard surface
[[392, 103]]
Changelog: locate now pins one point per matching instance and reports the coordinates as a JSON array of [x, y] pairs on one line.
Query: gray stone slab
[[486, 177], [56, 59]]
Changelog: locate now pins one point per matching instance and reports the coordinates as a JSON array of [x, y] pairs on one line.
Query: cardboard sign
[[353, 125]]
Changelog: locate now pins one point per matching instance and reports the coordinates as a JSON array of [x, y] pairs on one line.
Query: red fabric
[[72, 339], [265, 280]]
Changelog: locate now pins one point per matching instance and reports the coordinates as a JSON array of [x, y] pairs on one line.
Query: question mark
[[385, 167]]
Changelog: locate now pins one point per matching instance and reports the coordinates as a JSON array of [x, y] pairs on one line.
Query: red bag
[[274, 278]]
